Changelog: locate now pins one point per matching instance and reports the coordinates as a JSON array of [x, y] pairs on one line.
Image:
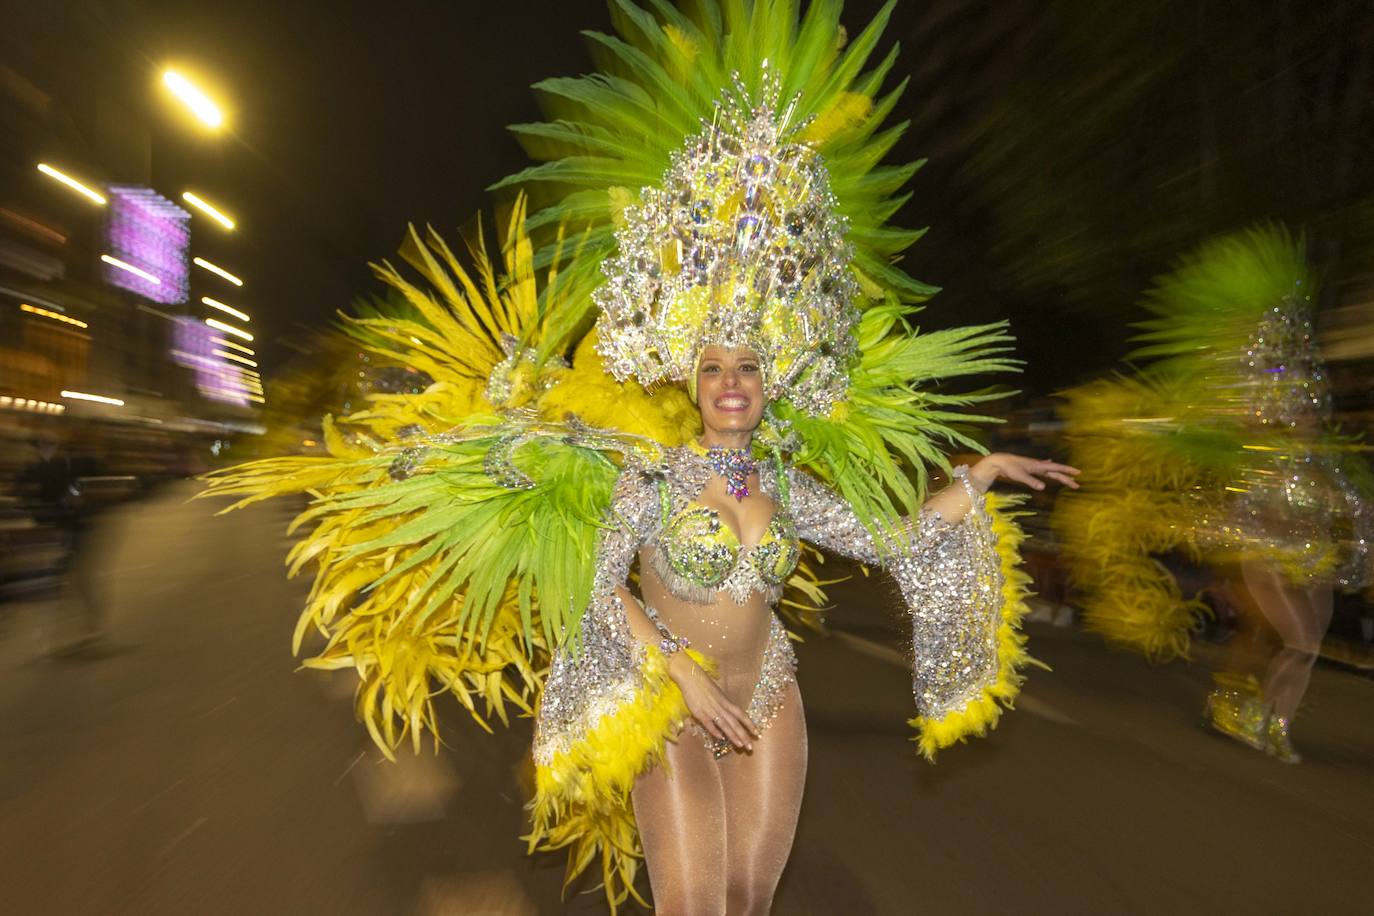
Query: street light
[[199, 103], [200, 204], [126, 266], [225, 354], [46, 313], [216, 269], [72, 183], [97, 398], [228, 328], [216, 304], [220, 341]]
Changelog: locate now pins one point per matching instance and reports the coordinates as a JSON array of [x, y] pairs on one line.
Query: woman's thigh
[[680, 810], [763, 793]]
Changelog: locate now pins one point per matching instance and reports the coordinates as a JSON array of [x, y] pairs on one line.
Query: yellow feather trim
[[589, 392], [685, 45], [983, 712], [847, 111], [582, 797]]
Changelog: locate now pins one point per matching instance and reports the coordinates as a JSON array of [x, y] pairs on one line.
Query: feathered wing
[[439, 520], [876, 446], [428, 572]]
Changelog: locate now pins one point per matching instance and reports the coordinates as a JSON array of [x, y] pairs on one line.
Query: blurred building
[[78, 94]]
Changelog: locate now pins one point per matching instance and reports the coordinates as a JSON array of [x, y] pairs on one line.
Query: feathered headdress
[[739, 246]]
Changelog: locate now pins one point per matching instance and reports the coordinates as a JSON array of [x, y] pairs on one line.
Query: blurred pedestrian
[[66, 490]]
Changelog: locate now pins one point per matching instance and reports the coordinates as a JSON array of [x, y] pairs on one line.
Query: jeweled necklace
[[733, 464]]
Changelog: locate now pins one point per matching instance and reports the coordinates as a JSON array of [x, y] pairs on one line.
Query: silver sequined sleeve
[[602, 672], [950, 578]]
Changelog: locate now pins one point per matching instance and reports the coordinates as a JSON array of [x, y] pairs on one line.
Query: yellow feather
[[845, 112]]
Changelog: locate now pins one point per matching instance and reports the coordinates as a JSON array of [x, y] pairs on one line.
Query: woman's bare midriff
[[732, 636]]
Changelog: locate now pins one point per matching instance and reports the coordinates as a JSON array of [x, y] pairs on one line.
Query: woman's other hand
[[1031, 472]]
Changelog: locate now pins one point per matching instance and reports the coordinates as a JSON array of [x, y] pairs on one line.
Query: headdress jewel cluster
[[740, 246], [1283, 368]]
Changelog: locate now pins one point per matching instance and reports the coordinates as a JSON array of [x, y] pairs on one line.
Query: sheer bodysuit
[[717, 825]]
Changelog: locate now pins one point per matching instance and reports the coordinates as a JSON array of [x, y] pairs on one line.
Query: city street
[[189, 768]]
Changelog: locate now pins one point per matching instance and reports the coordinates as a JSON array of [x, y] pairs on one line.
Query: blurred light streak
[[216, 304], [229, 343], [204, 207], [136, 271], [97, 398], [152, 311], [33, 405], [30, 262], [26, 294], [235, 357], [35, 310], [216, 269], [71, 183], [228, 328], [33, 226], [194, 99]]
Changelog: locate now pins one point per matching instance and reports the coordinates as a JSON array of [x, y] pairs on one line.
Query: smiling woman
[[729, 390]]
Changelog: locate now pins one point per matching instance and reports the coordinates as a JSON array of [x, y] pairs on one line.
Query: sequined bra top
[[697, 554]]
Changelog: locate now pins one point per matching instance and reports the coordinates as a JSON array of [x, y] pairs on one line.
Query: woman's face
[[729, 390]]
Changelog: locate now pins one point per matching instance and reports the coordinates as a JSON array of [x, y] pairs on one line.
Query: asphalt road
[[191, 769]]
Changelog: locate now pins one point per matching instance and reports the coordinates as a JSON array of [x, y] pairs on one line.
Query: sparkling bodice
[[698, 552], [698, 555]]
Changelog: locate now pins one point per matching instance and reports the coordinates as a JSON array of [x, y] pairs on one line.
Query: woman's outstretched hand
[[1022, 470], [708, 704]]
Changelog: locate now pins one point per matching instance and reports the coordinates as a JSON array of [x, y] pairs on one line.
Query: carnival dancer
[[1220, 450], [751, 383]]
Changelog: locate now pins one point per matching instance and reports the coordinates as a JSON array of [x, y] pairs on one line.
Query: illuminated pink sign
[[147, 237], [193, 346]]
